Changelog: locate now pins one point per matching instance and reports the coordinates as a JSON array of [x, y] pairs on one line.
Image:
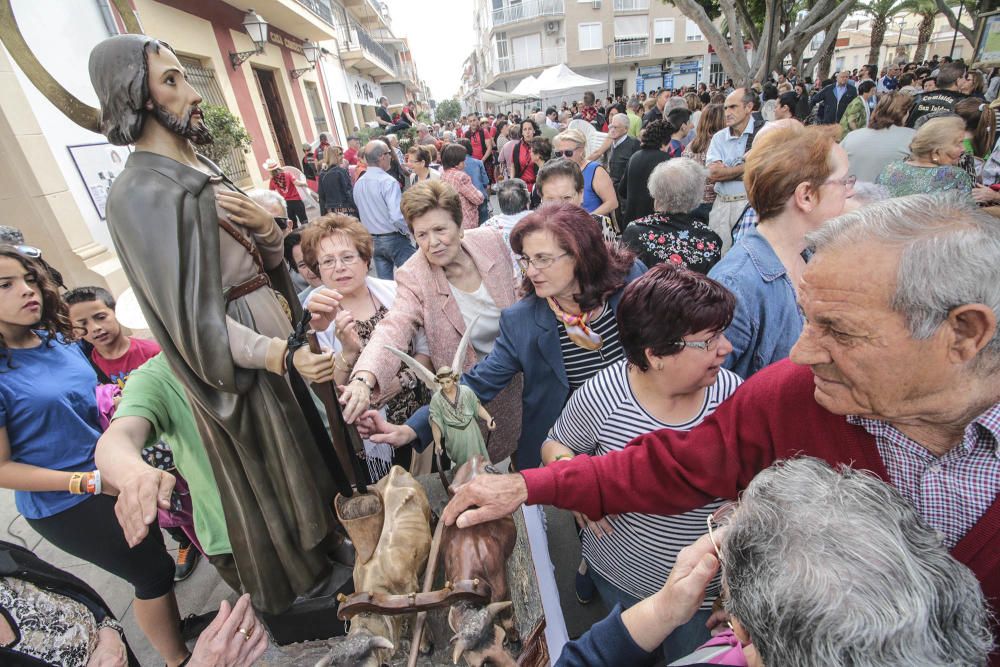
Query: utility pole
[[608, 49]]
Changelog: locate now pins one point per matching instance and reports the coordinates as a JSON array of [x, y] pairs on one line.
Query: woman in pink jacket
[[456, 277], [453, 162]]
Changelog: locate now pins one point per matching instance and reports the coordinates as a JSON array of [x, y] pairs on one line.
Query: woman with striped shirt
[[670, 325]]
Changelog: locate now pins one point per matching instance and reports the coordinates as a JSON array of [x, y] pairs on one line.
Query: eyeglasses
[[568, 153], [706, 345], [847, 181], [281, 222], [714, 521], [541, 262], [328, 263]]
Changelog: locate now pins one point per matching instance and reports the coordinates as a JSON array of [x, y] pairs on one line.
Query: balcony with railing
[[631, 5], [631, 48], [320, 8], [305, 19], [523, 62], [362, 51], [526, 11]]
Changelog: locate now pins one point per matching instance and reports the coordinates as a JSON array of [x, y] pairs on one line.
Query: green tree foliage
[[228, 134], [448, 110]]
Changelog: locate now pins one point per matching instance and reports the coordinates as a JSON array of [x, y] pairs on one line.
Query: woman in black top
[[802, 107], [335, 189], [671, 234], [652, 151]]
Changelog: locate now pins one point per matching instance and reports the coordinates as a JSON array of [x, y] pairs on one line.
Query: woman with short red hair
[[797, 178]]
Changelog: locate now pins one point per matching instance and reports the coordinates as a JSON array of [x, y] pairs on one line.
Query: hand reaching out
[[139, 496], [324, 304], [235, 638]]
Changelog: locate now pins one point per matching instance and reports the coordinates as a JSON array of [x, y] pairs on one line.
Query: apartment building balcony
[[306, 19], [366, 12], [363, 52], [527, 10], [631, 5], [629, 49], [523, 64]]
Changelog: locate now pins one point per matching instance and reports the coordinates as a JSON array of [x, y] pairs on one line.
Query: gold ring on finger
[[245, 633]]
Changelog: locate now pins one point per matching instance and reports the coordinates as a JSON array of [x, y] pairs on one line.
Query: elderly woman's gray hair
[[677, 186], [835, 567], [513, 196], [949, 258], [448, 136], [270, 200]]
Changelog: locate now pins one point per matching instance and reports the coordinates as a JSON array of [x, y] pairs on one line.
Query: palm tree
[[881, 11], [927, 11]]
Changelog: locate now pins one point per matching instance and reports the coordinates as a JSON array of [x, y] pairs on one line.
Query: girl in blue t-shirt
[[48, 432]]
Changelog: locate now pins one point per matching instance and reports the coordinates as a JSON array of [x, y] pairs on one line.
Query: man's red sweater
[[772, 416]]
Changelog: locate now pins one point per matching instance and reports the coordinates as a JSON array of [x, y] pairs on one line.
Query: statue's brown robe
[[276, 491]]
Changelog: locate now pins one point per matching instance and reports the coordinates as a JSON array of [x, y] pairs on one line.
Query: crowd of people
[[767, 312]]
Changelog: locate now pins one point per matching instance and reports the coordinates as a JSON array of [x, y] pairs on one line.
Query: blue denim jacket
[[767, 321]]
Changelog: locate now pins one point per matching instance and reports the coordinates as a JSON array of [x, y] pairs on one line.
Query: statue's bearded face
[[174, 103]]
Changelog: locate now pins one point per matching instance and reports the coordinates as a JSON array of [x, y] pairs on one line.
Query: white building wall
[[61, 33]]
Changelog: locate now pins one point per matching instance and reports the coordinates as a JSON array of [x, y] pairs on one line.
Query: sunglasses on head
[[26, 250]]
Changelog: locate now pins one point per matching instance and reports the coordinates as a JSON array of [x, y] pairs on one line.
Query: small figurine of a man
[[454, 409]]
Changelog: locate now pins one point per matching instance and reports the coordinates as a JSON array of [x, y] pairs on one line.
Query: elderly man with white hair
[[377, 196], [895, 372], [821, 566]]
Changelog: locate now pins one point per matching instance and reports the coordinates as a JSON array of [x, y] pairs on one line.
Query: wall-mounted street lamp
[[311, 51], [256, 27]]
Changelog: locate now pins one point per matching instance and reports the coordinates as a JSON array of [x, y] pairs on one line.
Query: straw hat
[[270, 164]]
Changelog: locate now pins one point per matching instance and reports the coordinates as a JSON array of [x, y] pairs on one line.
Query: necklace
[[576, 326]]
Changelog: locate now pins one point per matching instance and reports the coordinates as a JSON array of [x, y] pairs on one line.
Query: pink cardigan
[[424, 299], [469, 194]]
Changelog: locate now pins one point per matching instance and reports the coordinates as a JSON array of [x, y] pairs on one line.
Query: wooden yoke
[[472, 590]]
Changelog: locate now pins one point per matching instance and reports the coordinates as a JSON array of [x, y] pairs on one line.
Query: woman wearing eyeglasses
[[338, 249], [455, 277], [599, 196], [559, 335], [796, 179], [670, 323]]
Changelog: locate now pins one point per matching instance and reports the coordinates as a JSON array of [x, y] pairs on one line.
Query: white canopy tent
[[496, 96], [561, 82], [528, 88]]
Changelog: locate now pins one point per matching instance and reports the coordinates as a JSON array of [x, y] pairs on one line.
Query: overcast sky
[[441, 37]]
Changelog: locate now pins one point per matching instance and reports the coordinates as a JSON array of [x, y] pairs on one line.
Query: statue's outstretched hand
[[485, 498]]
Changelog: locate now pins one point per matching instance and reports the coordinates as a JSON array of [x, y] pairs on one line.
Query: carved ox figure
[[480, 552], [392, 548]]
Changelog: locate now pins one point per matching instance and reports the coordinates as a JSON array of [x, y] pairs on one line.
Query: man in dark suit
[[835, 98], [622, 148]]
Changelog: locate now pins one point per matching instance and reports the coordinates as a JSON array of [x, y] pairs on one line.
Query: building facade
[[56, 174], [630, 45]]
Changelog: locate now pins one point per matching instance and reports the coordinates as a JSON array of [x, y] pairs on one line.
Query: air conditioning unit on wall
[[597, 4], [552, 27]]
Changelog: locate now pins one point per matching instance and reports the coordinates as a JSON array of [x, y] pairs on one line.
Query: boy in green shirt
[[154, 406]]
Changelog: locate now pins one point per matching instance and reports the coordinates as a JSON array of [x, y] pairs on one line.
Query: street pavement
[[204, 589]]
